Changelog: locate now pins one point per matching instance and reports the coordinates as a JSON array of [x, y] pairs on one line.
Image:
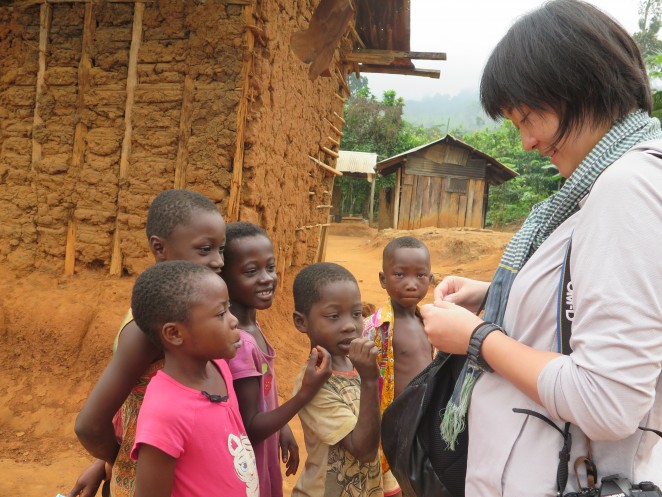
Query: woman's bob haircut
[[570, 58]]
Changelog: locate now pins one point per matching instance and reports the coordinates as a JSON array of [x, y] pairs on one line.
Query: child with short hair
[[341, 425], [181, 225], [190, 440], [250, 274], [397, 327]]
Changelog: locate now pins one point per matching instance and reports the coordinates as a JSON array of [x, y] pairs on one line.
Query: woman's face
[[537, 129]]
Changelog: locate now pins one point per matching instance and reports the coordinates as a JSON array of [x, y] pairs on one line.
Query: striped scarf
[[545, 217]]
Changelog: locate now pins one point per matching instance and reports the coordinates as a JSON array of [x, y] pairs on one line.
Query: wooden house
[[444, 184]]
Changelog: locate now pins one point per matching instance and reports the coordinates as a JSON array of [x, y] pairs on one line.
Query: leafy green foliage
[[511, 201]]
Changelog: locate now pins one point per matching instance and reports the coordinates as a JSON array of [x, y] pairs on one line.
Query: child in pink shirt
[[250, 273], [190, 439]]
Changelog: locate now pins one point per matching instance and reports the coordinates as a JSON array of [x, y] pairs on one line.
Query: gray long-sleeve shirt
[[610, 384]]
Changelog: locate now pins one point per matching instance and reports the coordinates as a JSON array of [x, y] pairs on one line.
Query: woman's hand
[[449, 326], [461, 291]]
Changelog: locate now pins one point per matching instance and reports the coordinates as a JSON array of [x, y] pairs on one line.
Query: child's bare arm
[[363, 441], [89, 480], [94, 424], [155, 472], [260, 425]]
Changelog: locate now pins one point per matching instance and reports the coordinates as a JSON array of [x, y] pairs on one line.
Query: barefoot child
[[181, 225], [250, 274], [341, 424], [190, 440], [397, 327]]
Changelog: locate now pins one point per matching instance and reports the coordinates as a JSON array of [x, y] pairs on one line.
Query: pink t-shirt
[[208, 439], [250, 361]]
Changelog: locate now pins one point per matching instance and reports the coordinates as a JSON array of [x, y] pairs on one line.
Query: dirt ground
[[57, 334]]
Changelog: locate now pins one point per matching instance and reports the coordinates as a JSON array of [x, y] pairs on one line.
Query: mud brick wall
[[104, 104], [287, 122]]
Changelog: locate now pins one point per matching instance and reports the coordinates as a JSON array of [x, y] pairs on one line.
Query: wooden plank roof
[[497, 172], [383, 30]]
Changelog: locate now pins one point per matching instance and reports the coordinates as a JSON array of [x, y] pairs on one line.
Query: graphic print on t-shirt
[[244, 463]]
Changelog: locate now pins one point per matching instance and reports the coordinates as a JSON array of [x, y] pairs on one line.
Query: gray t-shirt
[[610, 384]]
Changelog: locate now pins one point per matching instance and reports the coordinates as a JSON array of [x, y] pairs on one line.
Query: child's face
[[335, 319], [251, 276], [202, 241], [406, 276], [210, 331]]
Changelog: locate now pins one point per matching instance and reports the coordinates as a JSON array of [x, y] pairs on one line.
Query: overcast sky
[[467, 30]]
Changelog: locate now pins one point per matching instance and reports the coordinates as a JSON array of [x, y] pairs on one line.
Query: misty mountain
[[448, 112]]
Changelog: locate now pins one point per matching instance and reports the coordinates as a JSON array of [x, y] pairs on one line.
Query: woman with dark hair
[[572, 329]]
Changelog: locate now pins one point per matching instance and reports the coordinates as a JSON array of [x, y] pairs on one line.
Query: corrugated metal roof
[[356, 162]]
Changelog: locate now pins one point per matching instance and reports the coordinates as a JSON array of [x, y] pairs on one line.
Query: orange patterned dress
[[123, 479]]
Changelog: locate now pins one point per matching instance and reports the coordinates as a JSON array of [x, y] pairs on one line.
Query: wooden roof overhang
[[382, 33]]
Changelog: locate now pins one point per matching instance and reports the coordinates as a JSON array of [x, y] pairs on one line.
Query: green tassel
[[454, 421]]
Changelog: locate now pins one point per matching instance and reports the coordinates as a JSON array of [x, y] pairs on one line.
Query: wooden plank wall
[[425, 202]]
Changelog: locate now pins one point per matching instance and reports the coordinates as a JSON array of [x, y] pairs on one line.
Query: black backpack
[[411, 437]]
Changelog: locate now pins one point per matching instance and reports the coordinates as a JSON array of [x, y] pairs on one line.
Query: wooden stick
[[325, 166], [340, 118], [343, 83], [131, 83], [355, 34], [340, 97], [335, 130], [335, 142], [426, 73], [371, 56], [80, 131], [45, 17], [185, 116], [330, 152], [323, 206], [310, 226], [242, 112]]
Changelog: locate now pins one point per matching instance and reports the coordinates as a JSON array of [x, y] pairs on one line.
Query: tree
[[650, 15]]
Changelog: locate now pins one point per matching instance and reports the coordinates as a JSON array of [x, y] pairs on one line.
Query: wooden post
[[131, 83], [238, 161], [372, 200], [45, 17], [396, 198], [321, 247], [89, 25], [181, 163]]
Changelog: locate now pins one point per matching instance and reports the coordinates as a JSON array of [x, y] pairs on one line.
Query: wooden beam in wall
[[131, 83], [406, 71], [185, 116], [238, 161], [84, 65], [45, 17], [27, 3], [386, 57]]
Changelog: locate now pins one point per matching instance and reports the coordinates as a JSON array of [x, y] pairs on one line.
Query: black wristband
[[478, 335]]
